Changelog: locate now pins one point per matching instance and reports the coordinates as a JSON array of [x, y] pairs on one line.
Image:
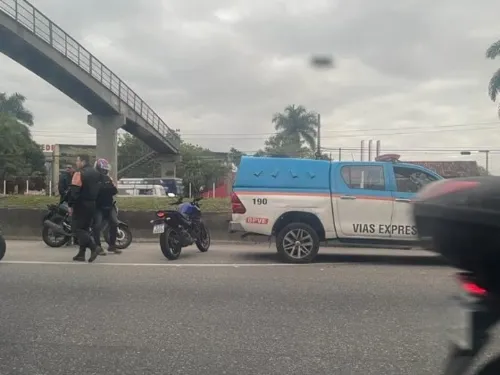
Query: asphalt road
[[234, 310]]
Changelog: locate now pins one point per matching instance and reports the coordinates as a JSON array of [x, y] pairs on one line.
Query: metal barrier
[[35, 21]]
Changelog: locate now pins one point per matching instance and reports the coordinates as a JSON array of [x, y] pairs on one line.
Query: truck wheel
[[297, 243]]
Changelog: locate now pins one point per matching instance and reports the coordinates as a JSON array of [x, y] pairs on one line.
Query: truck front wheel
[[297, 243]]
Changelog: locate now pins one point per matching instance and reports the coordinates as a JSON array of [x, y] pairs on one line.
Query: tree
[[235, 156], [494, 85], [295, 125], [19, 154], [198, 166], [281, 146], [13, 105], [482, 171]]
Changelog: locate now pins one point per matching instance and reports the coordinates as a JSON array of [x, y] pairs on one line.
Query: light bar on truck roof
[[393, 158]]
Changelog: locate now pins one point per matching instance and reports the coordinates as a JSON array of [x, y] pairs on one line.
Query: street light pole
[[318, 141], [487, 153]]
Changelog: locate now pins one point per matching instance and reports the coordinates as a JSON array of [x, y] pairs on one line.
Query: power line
[[366, 134]]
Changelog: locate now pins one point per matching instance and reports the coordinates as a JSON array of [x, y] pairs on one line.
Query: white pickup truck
[[303, 202]]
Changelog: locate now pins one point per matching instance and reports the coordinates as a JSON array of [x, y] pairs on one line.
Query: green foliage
[[198, 166], [19, 154], [124, 203], [296, 124], [235, 156], [13, 106], [494, 85], [296, 137]]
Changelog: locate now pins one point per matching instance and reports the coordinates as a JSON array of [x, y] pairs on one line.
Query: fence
[[39, 186], [27, 185]]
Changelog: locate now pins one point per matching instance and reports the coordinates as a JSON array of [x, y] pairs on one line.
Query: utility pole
[[318, 141]]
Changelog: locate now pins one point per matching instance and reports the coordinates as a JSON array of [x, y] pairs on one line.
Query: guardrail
[[35, 21]]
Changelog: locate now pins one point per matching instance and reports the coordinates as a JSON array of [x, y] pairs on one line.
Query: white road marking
[[194, 265]]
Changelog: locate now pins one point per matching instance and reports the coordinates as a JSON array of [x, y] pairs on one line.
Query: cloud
[[411, 73]]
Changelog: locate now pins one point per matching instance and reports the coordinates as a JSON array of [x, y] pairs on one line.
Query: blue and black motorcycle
[[181, 228]]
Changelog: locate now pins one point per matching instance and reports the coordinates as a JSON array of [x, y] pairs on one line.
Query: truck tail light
[[470, 286], [237, 206]]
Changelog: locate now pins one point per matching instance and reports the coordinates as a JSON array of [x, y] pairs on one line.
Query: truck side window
[[368, 177], [411, 180]]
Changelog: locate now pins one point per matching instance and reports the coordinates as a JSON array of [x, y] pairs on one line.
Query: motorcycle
[[57, 229], [3, 246], [460, 218], [181, 228]]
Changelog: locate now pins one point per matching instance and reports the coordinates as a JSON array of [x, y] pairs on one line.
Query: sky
[[410, 73]]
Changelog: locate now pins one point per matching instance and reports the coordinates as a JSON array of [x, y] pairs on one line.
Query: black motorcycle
[[461, 218], [57, 229], [3, 246], [180, 228]]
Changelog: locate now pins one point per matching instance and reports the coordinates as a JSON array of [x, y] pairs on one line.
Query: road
[[234, 310]]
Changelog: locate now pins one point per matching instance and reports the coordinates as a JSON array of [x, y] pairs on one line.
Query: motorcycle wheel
[[203, 242], [170, 244], [123, 237], [3, 247], [57, 241]]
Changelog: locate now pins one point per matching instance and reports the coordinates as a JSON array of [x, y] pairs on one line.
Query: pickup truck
[[303, 202]]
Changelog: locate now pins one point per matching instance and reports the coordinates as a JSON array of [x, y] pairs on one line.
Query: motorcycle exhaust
[[56, 228]]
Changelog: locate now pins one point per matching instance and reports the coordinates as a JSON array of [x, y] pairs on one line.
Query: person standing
[[105, 208], [84, 190], [64, 182]]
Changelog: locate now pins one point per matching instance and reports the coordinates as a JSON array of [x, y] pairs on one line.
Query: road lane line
[[194, 265]]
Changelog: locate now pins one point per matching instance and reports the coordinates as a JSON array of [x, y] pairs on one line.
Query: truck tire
[[297, 243]]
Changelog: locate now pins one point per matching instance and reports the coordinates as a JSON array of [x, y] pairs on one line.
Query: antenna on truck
[[392, 158]]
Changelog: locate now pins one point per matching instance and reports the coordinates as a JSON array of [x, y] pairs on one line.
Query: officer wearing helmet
[[84, 189], [105, 207]]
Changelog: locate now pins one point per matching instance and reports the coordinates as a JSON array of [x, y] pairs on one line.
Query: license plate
[[460, 330], [159, 228]]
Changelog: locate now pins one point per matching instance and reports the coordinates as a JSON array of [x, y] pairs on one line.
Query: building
[[58, 156]]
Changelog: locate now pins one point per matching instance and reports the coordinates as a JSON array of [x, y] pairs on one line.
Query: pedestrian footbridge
[[34, 41]]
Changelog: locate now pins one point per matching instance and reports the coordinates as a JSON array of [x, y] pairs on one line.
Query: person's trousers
[[101, 216], [83, 215]]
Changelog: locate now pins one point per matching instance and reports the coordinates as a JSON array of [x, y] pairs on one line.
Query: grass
[[124, 203]]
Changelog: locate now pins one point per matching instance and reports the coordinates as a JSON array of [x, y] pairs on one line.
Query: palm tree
[[297, 125], [13, 105]]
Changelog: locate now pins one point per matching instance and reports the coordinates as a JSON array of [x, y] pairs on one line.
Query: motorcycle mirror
[[171, 195]]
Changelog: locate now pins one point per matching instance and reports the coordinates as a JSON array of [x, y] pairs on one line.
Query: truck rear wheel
[[297, 243]]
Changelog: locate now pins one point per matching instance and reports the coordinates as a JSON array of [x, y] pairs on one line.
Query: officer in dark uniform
[[105, 207], [84, 190]]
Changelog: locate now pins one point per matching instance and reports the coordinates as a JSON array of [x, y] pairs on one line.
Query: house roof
[[450, 169]]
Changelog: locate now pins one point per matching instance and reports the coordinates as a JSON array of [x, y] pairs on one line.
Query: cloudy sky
[[411, 73]]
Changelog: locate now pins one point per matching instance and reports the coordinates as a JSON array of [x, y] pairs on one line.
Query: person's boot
[[113, 249], [80, 257], [102, 252], [94, 253]]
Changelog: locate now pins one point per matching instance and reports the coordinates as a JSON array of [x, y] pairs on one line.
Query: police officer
[[84, 190], [105, 207]]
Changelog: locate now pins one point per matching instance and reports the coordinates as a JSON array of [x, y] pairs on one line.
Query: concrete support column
[[168, 165], [107, 138]]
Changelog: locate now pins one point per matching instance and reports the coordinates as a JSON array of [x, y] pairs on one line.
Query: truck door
[[362, 201], [407, 181]]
